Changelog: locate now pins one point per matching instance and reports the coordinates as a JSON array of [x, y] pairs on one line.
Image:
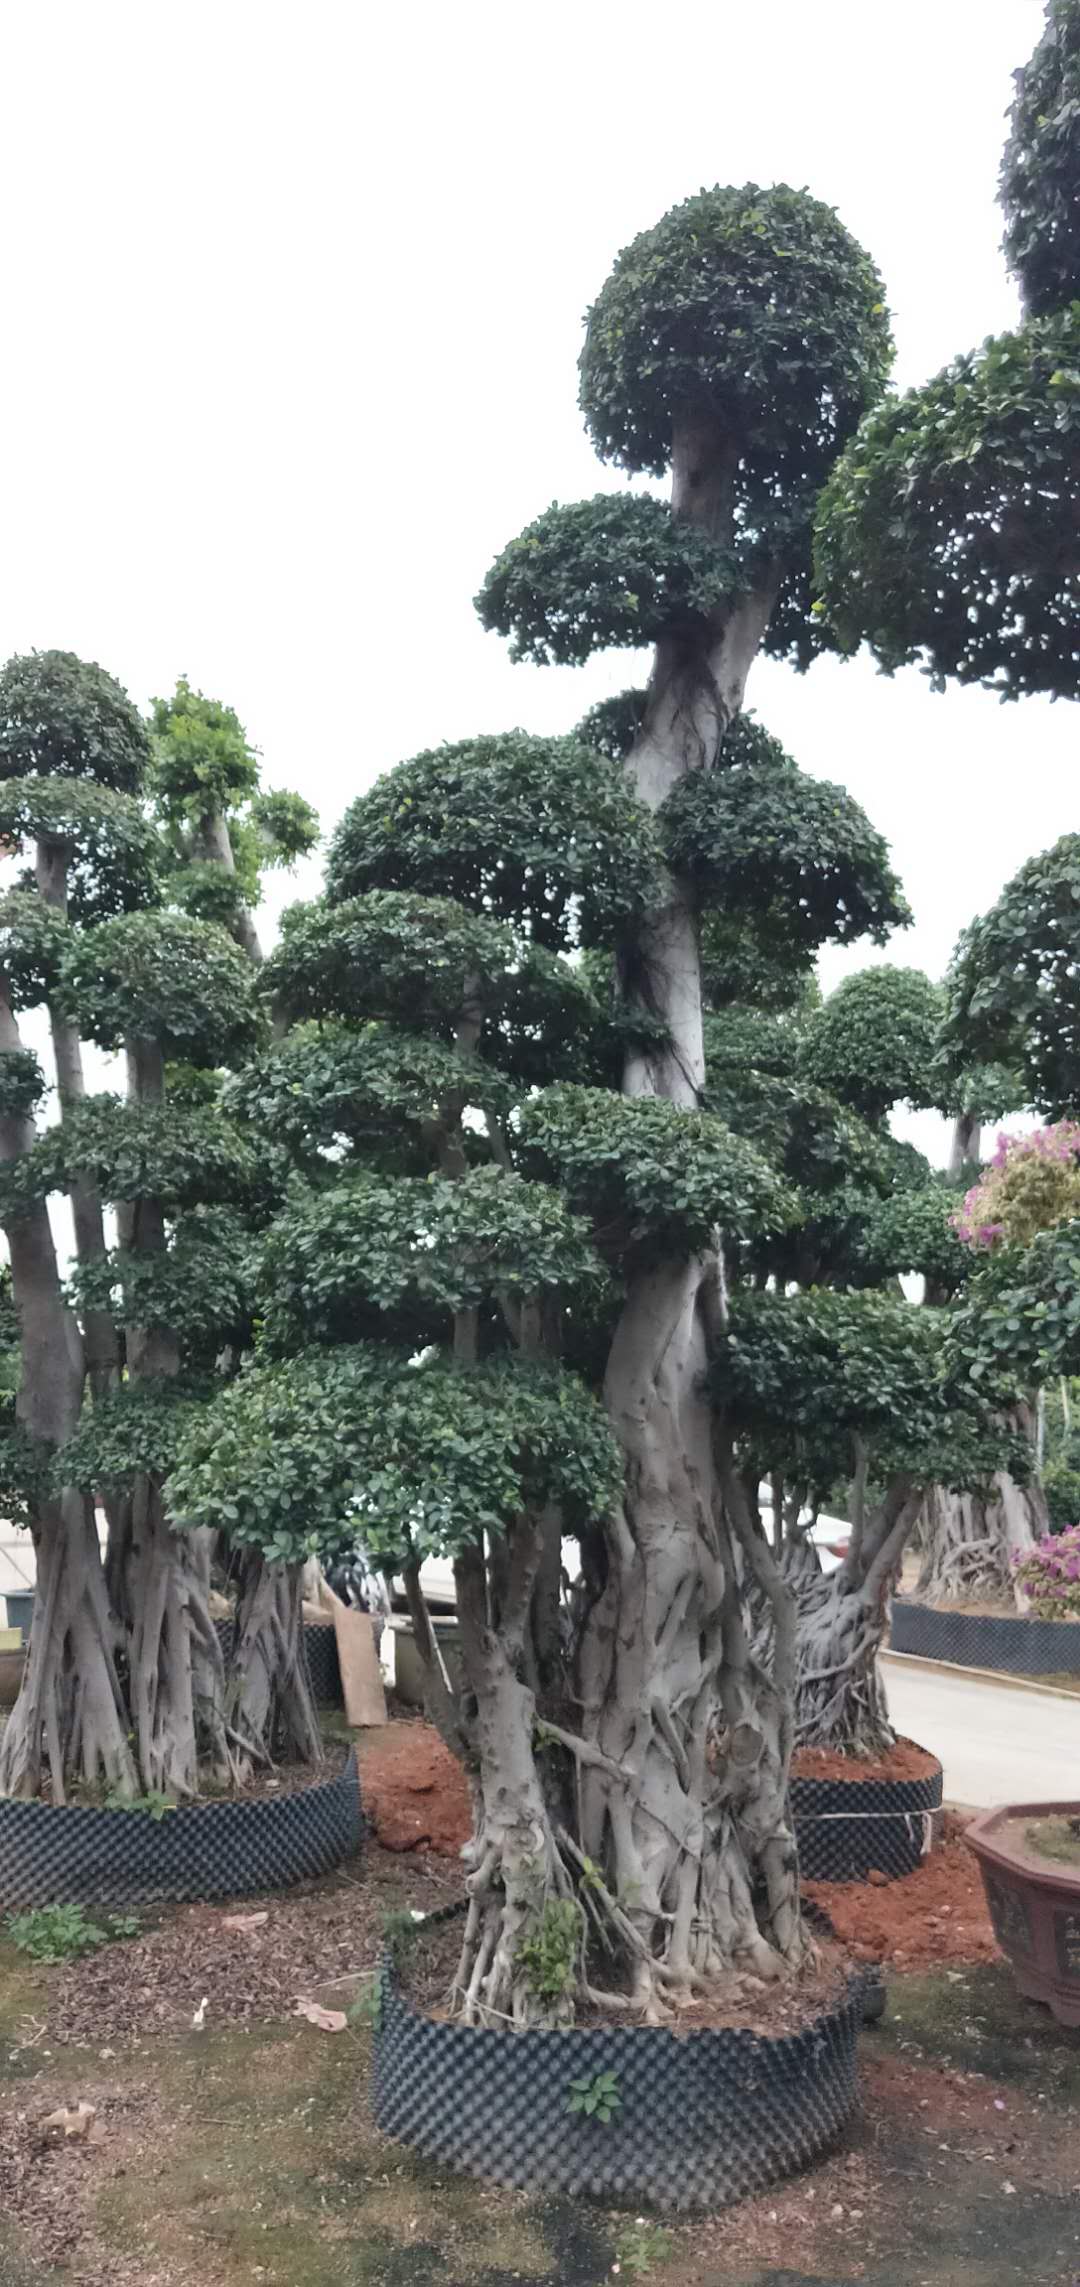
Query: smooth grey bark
[[965, 1143], [212, 844]]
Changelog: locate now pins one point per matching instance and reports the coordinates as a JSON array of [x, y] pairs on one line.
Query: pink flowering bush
[[1031, 1183], [1049, 1574]]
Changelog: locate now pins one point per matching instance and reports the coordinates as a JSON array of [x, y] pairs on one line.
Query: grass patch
[[267, 2166], [1057, 1838], [976, 2020]]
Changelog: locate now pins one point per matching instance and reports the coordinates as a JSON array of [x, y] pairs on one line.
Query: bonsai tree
[[824, 1386], [947, 531], [514, 1344]]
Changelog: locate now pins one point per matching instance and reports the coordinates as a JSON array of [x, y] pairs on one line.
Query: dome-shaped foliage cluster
[[1013, 988], [356, 1441], [615, 570], [757, 835], [389, 955], [142, 1151], [199, 1287], [202, 759], [63, 717], [912, 1230], [947, 532], [22, 1084], [163, 977], [874, 1042], [326, 1084], [540, 832], [368, 1245], [1040, 174], [753, 309], [613, 724], [650, 1175], [35, 942], [112, 855]]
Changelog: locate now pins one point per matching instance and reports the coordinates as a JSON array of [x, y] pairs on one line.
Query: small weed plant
[[639, 2247], [62, 1933], [548, 1953], [597, 2097]]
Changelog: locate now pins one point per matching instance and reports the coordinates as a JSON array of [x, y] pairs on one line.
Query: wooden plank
[[361, 1677]]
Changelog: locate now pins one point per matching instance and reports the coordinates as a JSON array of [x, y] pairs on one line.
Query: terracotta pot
[[11, 1668], [1034, 1906]]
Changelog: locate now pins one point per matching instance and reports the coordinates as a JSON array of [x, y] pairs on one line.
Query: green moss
[[976, 2020]]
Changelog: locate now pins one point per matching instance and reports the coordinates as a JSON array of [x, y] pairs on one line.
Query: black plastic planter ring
[[849, 1828], [54, 1856], [703, 2118], [1017, 1647]]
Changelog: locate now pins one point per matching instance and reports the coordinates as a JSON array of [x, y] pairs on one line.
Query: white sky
[[293, 299]]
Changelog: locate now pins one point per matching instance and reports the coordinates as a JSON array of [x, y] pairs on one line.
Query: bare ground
[[246, 2153]]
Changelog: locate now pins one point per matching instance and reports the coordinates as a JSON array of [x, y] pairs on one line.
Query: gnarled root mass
[[970, 1540], [269, 1708], [69, 1716], [840, 1697]]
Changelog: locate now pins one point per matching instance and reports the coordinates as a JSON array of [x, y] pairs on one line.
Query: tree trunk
[[840, 1697], [68, 1713], [970, 1540], [684, 1790], [213, 845], [965, 1144], [269, 1704], [101, 1344]]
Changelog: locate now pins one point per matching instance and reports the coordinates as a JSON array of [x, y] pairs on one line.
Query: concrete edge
[[981, 1675]]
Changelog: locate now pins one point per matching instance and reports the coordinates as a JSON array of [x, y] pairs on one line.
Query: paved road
[[997, 1745]]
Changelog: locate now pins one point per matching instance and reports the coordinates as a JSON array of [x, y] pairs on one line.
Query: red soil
[[416, 1795], [935, 1915], [904, 1761]]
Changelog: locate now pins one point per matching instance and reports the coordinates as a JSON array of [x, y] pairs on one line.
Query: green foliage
[[286, 825], [757, 833], [613, 724], [200, 1287], [65, 717], [638, 2246], [615, 570], [369, 1245], [22, 1083], [111, 848], [649, 1174], [55, 1933], [34, 943], [596, 2095], [874, 1043], [1040, 174], [548, 1952], [912, 1231], [133, 1431], [309, 1452], [141, 1151], [755, 308], [1061, 1485], [208, 892], [386, 955], [325, 1084], [536, 831], [739, 1039], [155, 1806], [202, 760], [947, 532], [803, 1375], [1019, 1316], [164, 977], [1013, 987], [751, 957]]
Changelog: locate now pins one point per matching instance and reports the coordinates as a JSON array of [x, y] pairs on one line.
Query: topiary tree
[[1011, 989], [946, 534], [221, 829], [539, 1292], [822, 1387]]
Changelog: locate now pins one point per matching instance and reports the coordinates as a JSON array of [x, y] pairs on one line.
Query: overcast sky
[[293, 299]]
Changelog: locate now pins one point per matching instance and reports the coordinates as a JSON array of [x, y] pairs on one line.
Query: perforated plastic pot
[[703, 2119], [1016, 1646], [849, 1828], [115, 1858]]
